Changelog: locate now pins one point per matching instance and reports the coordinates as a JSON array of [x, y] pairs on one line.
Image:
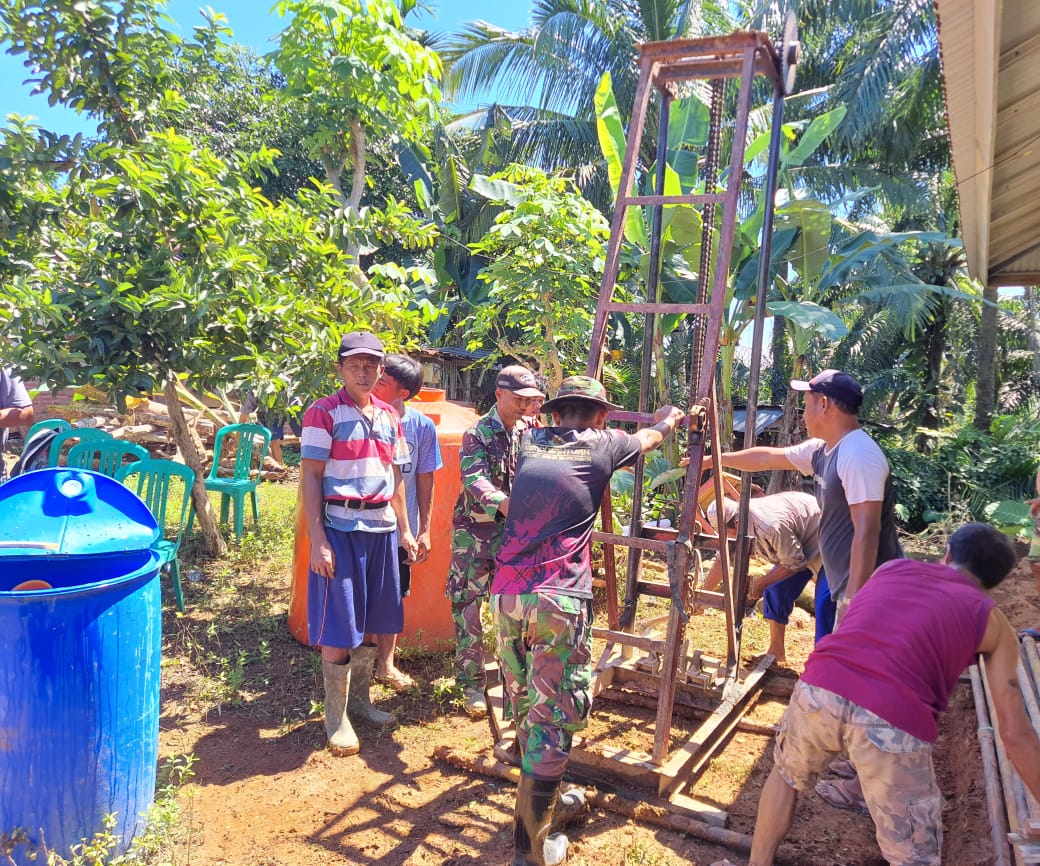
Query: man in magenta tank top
[[876, 687]]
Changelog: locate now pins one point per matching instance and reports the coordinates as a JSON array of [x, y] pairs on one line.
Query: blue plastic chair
[[76, 434], [250, 451], [58, 425], [150, 479], [104, 455]]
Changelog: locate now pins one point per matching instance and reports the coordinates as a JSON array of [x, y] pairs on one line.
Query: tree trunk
[[191, 450], [357, 147], [783, 480], [986, 380], [1033, 333], [928, 415], [352, 203], [780, 367]]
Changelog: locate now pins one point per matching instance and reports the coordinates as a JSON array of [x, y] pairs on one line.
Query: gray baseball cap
[[360, 343], [519, 380]]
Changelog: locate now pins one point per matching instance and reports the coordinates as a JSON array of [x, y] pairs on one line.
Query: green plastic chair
[[59, 425], [76, 434], [105, 455], [150, 479], [250, 451]]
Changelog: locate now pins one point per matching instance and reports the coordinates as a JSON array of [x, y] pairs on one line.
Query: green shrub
[[965, 467]]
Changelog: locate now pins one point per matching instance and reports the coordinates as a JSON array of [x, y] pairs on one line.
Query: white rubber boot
[[342, 739], [359, 701]]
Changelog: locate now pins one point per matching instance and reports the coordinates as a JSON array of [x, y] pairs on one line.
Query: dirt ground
[[239, 694]]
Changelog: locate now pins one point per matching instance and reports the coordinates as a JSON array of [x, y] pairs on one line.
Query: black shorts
[[406, 572]]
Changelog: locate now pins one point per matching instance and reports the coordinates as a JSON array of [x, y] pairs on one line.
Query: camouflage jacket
[[487, 458]]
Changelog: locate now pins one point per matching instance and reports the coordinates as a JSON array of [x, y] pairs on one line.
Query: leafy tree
[[545, 257], [234, 104], [152, 260], [360, 74]]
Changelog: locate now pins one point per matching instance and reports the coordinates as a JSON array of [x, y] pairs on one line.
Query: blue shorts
[[363, 597], [778, 600]]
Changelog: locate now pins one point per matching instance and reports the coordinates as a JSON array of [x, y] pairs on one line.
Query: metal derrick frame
[[721, 691]]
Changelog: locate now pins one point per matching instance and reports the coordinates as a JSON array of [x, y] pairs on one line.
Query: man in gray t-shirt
[[851, 480], [16, 410]]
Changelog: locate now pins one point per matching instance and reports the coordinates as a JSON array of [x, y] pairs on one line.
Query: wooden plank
[[647, 644], [613, 766], [674, 50], [692, 756], [629, 541]]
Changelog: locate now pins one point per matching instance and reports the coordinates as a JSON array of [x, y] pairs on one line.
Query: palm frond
[[483, 55]]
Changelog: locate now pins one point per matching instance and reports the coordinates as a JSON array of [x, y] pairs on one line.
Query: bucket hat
[[580, 388]]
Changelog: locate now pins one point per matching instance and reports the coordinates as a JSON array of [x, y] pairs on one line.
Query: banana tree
[[443, 176]]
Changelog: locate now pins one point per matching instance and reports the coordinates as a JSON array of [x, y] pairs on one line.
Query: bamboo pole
[[994, 798], [1014, 794], [1032, 663], [1028, 685]]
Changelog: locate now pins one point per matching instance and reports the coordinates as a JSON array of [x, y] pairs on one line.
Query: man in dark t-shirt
[[541, 596]]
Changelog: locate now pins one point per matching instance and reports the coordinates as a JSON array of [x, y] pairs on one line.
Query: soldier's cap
[[519, 380], [360, 343], [580, 388], [833, 383]]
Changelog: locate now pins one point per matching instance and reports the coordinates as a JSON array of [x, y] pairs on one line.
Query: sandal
[[399, 681], [842, 769], [837, 795]]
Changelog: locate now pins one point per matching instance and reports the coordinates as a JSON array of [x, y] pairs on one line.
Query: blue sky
[[251, 27]]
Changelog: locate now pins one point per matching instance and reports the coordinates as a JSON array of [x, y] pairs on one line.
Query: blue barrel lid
[[72, 512]]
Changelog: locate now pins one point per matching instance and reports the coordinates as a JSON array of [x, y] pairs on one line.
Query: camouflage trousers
[[545, 651], [469, 584], [895, 769]]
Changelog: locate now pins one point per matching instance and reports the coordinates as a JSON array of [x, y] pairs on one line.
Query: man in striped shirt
[[353, 496]]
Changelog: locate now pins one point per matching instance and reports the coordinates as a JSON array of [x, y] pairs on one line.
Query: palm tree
[[545, 76], [880, 60]]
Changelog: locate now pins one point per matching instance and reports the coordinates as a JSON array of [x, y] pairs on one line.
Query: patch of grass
[[236, 606], [167, 834], [639, 854]]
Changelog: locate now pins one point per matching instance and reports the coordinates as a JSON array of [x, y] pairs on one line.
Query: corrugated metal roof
[[765, 416], [991, 74]]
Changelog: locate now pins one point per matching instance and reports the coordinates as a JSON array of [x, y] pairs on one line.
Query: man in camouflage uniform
[[877, 686], [542, 593], [488, 462]]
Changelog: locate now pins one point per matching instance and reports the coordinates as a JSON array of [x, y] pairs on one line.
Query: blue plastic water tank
[[79, 661]]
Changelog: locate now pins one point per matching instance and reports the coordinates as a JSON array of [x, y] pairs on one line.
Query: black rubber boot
[[535, 803]]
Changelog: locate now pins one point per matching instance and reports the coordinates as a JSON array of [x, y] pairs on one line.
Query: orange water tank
[[427, 613]]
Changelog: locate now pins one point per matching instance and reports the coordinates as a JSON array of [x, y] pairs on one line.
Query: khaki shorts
[[895, 769]]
